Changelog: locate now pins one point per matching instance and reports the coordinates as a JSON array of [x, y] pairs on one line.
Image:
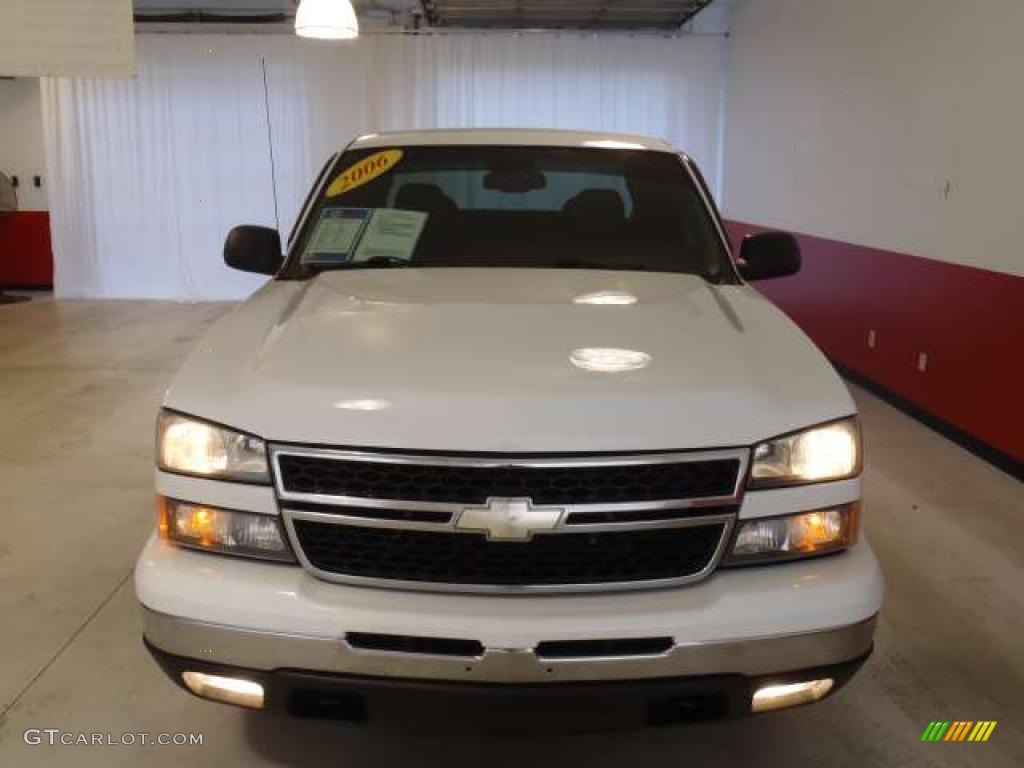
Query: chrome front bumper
[[269, 651]]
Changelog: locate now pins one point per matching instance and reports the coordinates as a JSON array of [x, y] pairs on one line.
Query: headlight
[[195, 447], [829, 452], [222, 530], [794, 536]]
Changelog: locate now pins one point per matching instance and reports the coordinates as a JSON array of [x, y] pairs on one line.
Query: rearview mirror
[[769, 254], [253, 249], [515, 181]]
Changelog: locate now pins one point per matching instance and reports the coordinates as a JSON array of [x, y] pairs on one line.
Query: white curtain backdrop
[[148, 174]]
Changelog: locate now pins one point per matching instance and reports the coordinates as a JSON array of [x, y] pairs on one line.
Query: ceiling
[[401, 11], [571, 14], [476, 14]]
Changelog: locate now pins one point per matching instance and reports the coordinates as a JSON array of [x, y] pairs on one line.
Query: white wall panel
[[894, 125], [21, 140], [66, 37]]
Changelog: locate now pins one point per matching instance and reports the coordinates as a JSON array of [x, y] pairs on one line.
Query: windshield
[[506, 206]]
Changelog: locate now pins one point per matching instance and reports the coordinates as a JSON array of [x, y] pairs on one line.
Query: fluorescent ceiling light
[[326, 19]]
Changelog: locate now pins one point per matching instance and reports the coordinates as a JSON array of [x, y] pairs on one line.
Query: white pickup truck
[[508, 436]]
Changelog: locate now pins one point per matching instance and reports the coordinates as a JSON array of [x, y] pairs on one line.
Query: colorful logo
[[959, 730]]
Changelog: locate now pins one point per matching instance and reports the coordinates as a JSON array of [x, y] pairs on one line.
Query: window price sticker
[[391, 234], [336, 234]]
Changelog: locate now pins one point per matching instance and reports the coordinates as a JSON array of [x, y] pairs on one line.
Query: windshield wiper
[[376, 262], [580, 264]]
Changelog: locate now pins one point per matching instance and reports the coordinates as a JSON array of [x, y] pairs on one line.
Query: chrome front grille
[[473, 482], [508, 523]]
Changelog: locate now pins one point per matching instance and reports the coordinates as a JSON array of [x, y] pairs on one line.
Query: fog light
[[230, 690], [769, 697]]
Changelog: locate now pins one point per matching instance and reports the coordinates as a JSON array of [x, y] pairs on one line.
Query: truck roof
[[512, 137]]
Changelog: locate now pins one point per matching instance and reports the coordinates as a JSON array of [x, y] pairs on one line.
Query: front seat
[[427, 198], [596, 209], [439, 239]]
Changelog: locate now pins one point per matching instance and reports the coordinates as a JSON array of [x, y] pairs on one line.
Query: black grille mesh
[[547, 559], [474, 485]]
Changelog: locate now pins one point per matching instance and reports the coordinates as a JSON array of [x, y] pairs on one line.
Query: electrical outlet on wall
[[872, 338], [922, 361]]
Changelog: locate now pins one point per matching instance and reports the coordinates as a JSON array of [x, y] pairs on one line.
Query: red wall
[[969, 321], [25, 254]]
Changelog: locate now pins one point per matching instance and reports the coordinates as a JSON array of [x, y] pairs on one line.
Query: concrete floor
[[79, 385]]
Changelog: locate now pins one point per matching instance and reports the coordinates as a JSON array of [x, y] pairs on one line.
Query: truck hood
[[509, 360]]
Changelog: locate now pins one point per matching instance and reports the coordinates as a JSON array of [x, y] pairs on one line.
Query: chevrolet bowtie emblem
[[509, 519]]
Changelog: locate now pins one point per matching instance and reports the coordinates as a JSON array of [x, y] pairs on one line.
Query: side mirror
[[769, 254], [253, 249]]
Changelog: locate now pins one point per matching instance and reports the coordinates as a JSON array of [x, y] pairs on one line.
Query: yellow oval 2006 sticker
[[366, 170]]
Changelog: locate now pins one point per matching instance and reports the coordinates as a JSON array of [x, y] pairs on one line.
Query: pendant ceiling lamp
[[326, 19]]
